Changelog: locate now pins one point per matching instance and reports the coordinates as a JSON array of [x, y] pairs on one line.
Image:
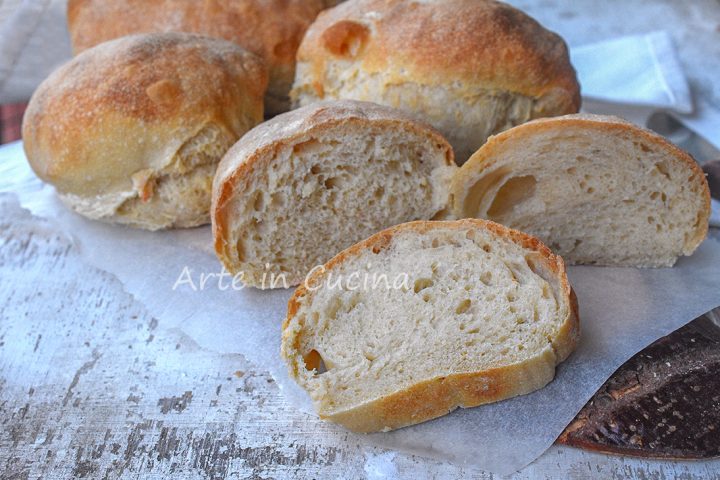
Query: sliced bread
[[298, 189], [596, 189], [426, 317]]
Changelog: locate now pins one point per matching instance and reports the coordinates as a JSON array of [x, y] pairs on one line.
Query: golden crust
[[607, 124], [438, 396], [123, 110], [474, 42], [288, 129], [272, 29]]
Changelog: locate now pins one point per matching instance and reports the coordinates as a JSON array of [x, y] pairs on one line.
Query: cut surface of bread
[[596, 189], [300, 188], [469, 312]]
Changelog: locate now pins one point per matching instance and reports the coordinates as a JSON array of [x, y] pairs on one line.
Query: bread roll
[[301, 187], [272, 29], [132, 130], [471, 68], [596, 189], [484, 313]]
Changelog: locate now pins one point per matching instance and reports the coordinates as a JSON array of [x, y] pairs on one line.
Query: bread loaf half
[[271, 29], [426, 317], [131, 131], [470, 68], [596, 189], [298, 189]]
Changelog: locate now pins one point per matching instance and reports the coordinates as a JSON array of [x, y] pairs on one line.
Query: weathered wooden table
[[91, 386]]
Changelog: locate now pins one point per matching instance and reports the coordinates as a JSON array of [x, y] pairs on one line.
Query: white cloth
[[637, 76], [34, 41]]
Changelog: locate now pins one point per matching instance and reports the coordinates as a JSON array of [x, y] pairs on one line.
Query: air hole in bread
[[421, 284], [332, 310], [513, 192], [332, 182], [240, 250], [464, 306], [306, 147], [511, 270], [258, 201], [314, 361], [663, 169], [486, 278], [345, 39], [476, 193]]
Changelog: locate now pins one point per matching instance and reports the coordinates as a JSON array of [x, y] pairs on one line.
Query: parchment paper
[[621, 312]]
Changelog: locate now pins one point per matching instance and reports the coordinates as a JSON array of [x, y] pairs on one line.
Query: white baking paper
[[622, 310]]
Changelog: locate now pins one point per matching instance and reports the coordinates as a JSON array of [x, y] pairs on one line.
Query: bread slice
[[468, 312], [307, 184], [595, 189]]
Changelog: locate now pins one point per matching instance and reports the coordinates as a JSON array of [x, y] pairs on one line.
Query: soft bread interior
[[474, 301], [303, 202], [605, 196]]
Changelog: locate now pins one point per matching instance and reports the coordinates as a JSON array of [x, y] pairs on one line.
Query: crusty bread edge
[[258, 145], [486, 157], [439, 396]]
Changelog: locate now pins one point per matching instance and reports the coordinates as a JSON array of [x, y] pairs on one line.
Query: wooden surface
[[91, 386]]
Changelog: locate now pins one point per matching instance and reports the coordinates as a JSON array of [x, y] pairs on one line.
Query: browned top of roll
[[477, 42], [272, 29], [130, 104]]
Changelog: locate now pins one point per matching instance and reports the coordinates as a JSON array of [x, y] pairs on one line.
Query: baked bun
[[596, 189], [271, 29], [132, 130], [471, 68], [301, 187], [467, 313]]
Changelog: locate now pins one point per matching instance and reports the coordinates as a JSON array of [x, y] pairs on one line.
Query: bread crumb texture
[[486, 314], [596, 189], [300, 188]]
